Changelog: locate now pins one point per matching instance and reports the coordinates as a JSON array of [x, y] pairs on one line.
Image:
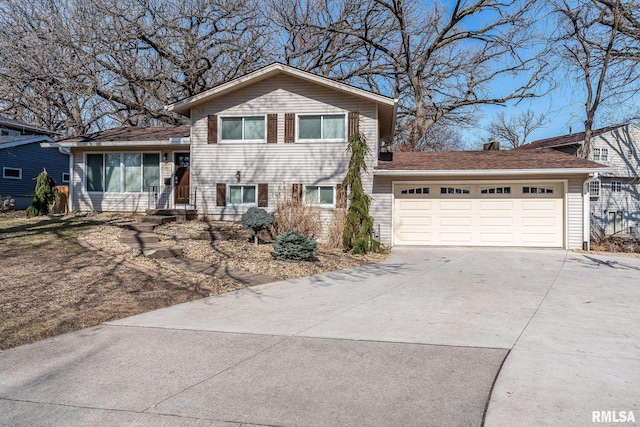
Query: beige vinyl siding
[[382, 204], [619, 142], [116, 202], [280, 164]]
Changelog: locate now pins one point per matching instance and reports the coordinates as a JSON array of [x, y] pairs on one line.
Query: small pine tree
[[294, 246], [256, 219], [358, 230], [46, 195]]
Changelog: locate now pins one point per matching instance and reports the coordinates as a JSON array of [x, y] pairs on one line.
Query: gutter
[[502, 172]]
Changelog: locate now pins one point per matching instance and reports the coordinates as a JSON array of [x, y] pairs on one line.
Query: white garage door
[[509, 214]]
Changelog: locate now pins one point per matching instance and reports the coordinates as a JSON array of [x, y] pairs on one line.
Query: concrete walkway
[[416, 340]]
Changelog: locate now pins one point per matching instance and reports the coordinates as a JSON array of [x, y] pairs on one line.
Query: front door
[[181, 178]]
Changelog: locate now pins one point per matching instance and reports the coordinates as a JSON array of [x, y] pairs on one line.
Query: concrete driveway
[[416, 340]]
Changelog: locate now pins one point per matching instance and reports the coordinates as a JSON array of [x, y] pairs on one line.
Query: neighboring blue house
[[22, 159]]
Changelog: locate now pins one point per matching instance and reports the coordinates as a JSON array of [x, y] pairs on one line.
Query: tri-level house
[[280, 129], [22, 158], [614, 194]]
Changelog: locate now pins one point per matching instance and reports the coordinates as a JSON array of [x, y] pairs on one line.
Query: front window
[[249, 128], [326, 127], [242, 194], [122, 172], [318, 195], [594, 188]]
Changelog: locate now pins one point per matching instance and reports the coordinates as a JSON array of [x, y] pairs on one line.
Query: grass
[[50, 285]]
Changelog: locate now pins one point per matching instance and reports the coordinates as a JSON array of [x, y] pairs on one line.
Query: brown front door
[[181, 178]]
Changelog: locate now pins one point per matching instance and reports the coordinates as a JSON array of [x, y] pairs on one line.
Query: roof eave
[[480, 172], [88, 144], [37, 138]]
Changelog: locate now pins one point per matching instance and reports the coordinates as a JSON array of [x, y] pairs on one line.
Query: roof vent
[[492, 145]]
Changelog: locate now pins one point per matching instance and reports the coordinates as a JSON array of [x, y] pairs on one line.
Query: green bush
[[294, 246], [46, 195], [257, 220]]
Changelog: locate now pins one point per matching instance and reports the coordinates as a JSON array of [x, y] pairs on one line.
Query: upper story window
[[322, 127], [537, 190], [616, 186], [12, 173], [319, 195], [454, 190], [122, 172], [242, 129], [601, 154]]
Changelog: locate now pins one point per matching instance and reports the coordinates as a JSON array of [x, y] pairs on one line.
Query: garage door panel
[[454, 205], [455, 221], [488, 221], [477, 219], [496, 205], [495, 237]]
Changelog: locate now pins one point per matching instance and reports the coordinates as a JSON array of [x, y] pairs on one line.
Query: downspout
[[586, 212], [68, 152]]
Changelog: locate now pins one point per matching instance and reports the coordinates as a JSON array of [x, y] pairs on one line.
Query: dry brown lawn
[[50, 285]]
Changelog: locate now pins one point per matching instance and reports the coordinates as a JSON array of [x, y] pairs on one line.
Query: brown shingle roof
[[485, 160], [124, 134], [556, 141]]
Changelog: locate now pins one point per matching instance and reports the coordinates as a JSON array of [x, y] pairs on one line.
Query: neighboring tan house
[[22, 158], [280, 130], [615, 195]]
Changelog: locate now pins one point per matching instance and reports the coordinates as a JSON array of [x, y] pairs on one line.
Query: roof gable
[[184, 106], [15, 141]]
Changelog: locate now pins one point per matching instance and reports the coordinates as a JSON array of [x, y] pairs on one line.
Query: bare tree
[[593, 52], [515, 130]]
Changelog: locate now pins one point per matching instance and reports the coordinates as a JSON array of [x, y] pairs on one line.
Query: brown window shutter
[[263, 195], [353, 123], [272, 128], [341, 197], [296, 192], [221, 194], [289, 127], [212, 129]]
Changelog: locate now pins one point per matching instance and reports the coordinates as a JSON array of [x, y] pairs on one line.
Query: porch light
[[238, 176]]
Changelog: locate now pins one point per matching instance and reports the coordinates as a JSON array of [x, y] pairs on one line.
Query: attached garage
[[517, 213], [512, 198]]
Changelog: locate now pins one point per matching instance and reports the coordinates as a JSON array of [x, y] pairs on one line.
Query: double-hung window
[[322, 127], [594, 188], [616, 186], [122, 172], [243, 129], [319, 195], [601, 154], [242, 195]]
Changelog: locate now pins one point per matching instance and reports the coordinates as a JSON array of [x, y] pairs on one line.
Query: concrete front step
[[161, 252], [134, 237], [181, 215], [157, 219], [142, 227]]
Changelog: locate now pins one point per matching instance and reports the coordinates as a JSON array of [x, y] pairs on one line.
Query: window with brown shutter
[[289, 127], [296, 192], [221, 194], [263, 195], [341, 197], [353, 123], [212, 129], [272, 128]]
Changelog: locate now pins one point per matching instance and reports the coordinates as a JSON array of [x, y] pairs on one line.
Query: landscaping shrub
[[46, 195], [336, 229], [257, 220], [294, 246], [292, 215]]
